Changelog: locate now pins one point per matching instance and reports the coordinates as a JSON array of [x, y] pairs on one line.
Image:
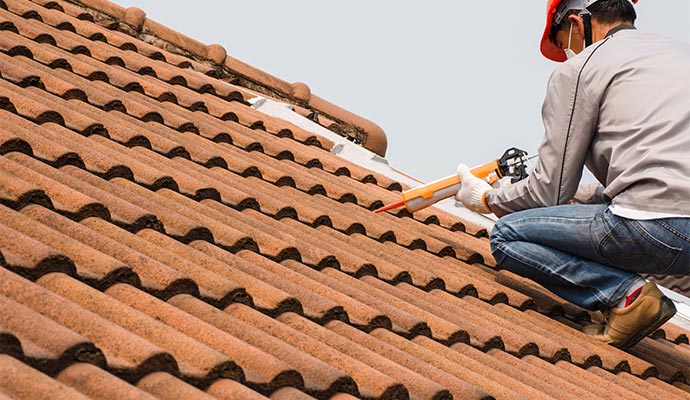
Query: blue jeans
[[587, 255]]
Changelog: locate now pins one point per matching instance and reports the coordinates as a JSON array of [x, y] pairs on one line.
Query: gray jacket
[[622, 109]]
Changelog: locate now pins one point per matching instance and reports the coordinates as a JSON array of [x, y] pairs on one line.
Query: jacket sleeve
[[570, 114]]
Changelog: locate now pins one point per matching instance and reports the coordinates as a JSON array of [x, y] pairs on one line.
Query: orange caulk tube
[[423, 196]]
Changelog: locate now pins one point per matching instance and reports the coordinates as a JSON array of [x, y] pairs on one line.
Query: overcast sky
[[448, 81]]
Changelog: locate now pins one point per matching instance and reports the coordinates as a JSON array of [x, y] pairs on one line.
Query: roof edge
[[372, 137]]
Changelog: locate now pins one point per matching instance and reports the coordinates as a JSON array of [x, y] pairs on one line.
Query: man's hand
[[472, 191]]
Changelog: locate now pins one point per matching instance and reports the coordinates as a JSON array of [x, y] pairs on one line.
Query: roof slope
[[159, 238]]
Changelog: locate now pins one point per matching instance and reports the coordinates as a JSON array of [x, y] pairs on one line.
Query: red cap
[[548, 49]]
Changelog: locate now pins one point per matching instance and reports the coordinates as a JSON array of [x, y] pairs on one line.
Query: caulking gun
[[512, 163]]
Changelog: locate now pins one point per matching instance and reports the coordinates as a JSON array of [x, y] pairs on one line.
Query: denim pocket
[[636, 246]]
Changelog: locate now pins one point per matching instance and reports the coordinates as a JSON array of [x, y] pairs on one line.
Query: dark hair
[[603, 11], [610, 11]]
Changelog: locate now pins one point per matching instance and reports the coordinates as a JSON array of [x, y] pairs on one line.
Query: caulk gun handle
[[424, 196], [485, 170]]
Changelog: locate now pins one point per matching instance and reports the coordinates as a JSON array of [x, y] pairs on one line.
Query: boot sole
[[666, 311]]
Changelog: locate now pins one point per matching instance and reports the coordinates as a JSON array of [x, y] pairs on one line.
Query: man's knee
[[497, 237]]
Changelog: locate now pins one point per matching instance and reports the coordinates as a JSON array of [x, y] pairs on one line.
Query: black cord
[[570, 122]]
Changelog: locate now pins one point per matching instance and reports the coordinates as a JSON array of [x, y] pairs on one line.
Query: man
[[619, 105]]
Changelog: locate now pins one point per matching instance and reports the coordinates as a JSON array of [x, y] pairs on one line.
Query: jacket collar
[[619, 28]]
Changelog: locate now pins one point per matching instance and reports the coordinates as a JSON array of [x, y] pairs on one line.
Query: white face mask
[[569, 53]]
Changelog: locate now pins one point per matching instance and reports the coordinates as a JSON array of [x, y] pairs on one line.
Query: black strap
[[587, 20]]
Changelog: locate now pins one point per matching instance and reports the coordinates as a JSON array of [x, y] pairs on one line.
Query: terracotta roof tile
[[314, 305], [462, 244], [407, 318], [123, 213], [20, 381], [226, 389], [212, 101], [134, 171], [578, 388], [262, 295], [341, 167], [16, 72], [682, 386], [96, 383], [175, 225], [420, 275], [640, 386], [17, 192], [675, 366], [198, 363], [154, 276], [343, 396], [350, 260], [30, 257], [439, 217], [51, 347], [16, 45], [371, 382], [256, 194], [94, 159], [403, 321], [334, 305], [162, 385], [474, 367], [213, 288], [534, 377], [197, 183], [417, 385], [261, 371], [671, 388], [446, 326], [89, 264], [34, 29], [607, 386], [388, 267], [32, 103], [594, 387], [457, 387], [290, 393], [675, 334], [10, 141], [359, 314], [320, 378], [517, 339], [65, 84], [546, 302], [126, 354], [63, 198], [59, 150]]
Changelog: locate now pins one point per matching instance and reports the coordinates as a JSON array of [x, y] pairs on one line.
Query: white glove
[[472, 191]]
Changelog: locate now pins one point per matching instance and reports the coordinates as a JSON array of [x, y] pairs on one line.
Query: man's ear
[[579, 25]]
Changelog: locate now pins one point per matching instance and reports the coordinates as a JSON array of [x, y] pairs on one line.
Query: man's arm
[[569, 113]]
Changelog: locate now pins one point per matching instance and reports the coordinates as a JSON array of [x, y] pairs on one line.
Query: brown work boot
[[625, 327]]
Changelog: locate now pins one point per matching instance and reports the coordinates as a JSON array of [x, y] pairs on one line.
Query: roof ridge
[[368, 133]]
